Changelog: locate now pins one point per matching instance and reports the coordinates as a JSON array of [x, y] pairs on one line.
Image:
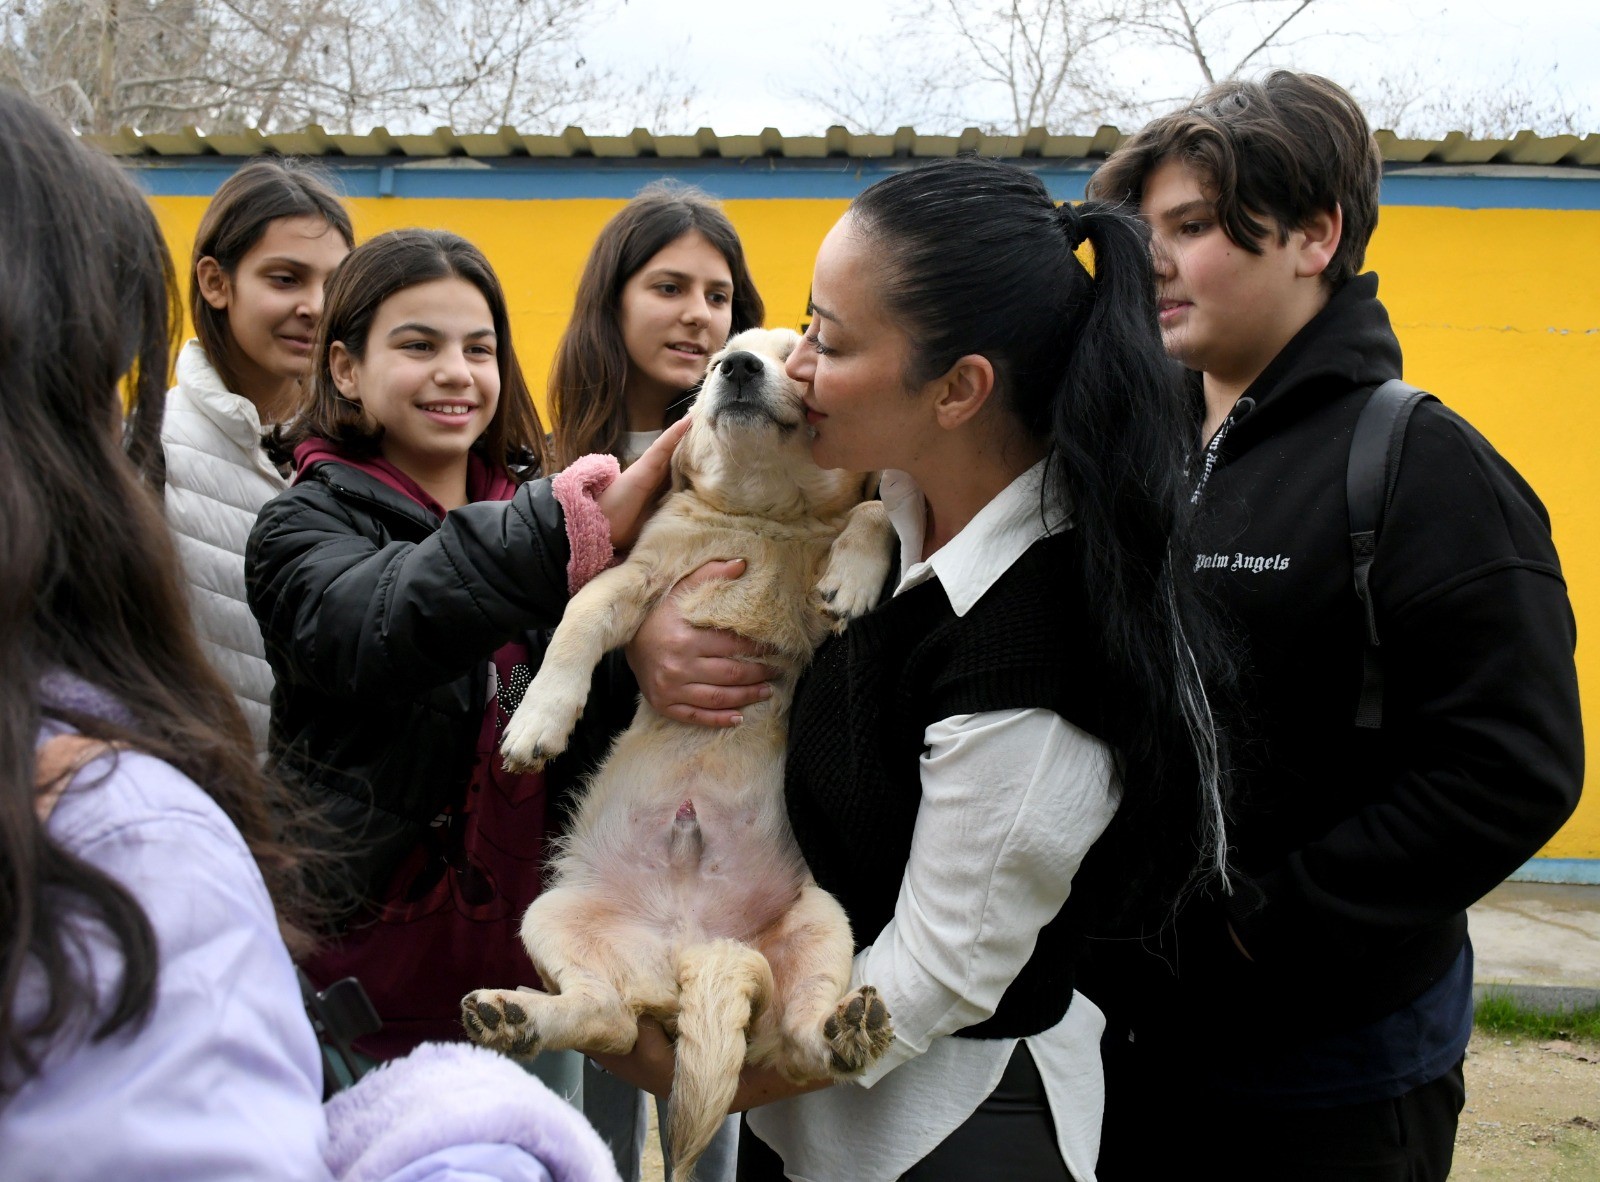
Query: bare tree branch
[[349, 64], [1270, 38]]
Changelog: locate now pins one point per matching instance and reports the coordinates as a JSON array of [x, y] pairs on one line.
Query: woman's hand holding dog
[[701, 676]]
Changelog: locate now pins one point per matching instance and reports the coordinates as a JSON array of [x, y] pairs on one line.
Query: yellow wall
[[1498, 311]]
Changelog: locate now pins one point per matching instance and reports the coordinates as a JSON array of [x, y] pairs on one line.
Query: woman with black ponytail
[[1016, 746]]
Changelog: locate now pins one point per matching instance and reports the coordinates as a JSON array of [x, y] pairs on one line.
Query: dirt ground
[[1533, 1111], [1532, 1115]]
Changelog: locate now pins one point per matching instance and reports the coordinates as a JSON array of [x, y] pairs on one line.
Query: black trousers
[[1010, 1136], [1152, 1134]]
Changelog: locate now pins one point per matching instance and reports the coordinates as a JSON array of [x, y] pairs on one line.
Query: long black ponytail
[[977, 259]]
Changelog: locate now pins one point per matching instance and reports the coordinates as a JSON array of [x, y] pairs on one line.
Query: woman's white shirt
[[1011, 802]]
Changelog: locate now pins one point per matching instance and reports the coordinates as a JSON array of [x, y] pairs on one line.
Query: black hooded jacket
[[1356, 852], [379, 622]]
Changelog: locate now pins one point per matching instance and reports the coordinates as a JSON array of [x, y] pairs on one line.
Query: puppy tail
[[722, 986]]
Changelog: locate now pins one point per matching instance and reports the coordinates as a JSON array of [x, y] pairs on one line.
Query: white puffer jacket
[[218, 478]]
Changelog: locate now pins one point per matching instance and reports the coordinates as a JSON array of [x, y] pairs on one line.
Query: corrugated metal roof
[[574, 142]]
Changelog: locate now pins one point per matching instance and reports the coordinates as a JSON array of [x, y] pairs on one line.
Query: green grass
[[1500, 1014]]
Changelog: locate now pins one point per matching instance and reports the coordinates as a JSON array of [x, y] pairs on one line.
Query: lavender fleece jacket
[[224, 1080]]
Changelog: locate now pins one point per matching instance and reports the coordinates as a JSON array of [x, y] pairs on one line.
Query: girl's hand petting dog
[[702, 676], [649, 1067], [631, 497]]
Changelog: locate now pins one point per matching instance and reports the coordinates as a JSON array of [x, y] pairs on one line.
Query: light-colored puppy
[[679, 891]]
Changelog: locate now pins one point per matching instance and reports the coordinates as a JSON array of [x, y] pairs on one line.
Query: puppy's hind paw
[[497, 1019], [858, 1031]]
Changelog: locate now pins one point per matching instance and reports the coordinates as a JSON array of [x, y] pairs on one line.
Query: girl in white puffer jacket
[[265, 247]]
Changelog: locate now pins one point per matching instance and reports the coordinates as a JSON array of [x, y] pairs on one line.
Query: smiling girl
[[664, 287], [265, 247], [402, 586]]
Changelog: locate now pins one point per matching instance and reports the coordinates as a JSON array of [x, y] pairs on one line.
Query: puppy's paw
[[849, 587], [858, 1031], [858, 564], [498, 1019], [534, 736], [822, 603]]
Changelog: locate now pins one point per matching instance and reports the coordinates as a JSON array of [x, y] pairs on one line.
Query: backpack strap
[[1370, 477]]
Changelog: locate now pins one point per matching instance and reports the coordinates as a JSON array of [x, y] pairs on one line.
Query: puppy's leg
[[722, 985], [604, 614], [824, 1029], [858, 563], [600, 974]]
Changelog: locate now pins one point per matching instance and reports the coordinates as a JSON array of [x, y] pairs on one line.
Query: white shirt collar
[[972, 561]]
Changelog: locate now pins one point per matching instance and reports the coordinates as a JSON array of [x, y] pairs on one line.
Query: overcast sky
[[751, 60]]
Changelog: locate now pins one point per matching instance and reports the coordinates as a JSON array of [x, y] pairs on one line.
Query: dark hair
[[245, 204], [1286, 148], [975, 258], [89, 582], [363, 280], [590, 372]]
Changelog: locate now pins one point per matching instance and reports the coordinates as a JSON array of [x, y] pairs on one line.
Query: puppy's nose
[[740, 368]]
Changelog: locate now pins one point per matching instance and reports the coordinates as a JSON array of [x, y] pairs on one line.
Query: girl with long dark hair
[[1016, 742], [266, 245], [664, 287], [404, 586], [151, 1024]]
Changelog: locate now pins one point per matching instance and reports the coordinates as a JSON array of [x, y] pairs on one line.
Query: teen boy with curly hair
[[1312, 1024]]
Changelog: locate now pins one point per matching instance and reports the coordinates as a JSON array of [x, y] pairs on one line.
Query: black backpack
[[1370, 477]]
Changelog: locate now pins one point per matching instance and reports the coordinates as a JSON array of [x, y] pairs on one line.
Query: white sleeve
[[1011, 802]]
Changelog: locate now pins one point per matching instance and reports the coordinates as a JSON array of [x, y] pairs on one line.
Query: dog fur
[[679, 891]]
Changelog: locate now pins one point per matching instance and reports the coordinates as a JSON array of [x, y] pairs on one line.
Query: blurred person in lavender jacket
[[151, 1025]]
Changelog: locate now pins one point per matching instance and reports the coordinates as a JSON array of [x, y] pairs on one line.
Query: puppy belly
[[691, 870]]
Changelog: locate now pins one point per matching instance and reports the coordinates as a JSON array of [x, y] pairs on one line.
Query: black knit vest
[[853, 781]]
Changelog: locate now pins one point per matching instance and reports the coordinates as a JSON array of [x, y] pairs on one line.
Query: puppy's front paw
[[498, 1019], [858, 1031], [850, 588], [858, 564], [534, 736]]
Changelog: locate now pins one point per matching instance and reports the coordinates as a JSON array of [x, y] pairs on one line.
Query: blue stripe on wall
[[1577, 870], [840, 179]]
